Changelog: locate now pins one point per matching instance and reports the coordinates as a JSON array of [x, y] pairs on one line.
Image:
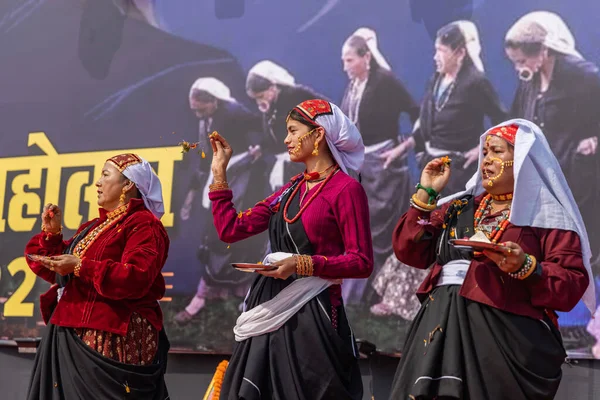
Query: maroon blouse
[[559, 287], [336, 223]]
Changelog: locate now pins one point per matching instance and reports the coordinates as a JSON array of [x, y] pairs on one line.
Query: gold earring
[[315, 152], [122, 197]]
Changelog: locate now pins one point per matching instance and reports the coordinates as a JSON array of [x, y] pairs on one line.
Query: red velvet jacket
[[120, 274], [560, 286]]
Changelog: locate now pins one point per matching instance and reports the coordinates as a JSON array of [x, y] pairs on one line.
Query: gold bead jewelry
[[304, 265], [503, 164], [315, 152], [218, 186], [298, 147], [77, 268], [122, 196]]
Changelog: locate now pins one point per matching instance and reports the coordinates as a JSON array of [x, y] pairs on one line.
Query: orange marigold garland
[[214, 389]]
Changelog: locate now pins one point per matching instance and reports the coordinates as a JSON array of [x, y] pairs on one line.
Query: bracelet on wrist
[[304, 265], [418, 204], [526, 269], [433, 195], [218, 186]]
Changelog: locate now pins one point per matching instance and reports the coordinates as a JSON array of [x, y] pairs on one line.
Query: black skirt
[[65, 368], [460, 349], [305, 359]]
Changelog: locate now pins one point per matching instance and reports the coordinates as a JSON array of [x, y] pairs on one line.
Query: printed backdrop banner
[[84, 80]]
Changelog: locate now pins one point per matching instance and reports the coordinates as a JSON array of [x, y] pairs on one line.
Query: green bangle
[[431, 192]]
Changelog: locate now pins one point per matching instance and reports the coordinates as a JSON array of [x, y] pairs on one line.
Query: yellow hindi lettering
[[25, 206]]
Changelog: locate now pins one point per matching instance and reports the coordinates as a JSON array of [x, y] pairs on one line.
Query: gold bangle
[[531, 268], [421, 204], [304, 265], [218, 186], [46, 231], [77, 268]]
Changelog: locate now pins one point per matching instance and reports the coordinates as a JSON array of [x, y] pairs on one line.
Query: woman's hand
[[221, 155], [285, 269], [389, 156], [62, 265], [510, 259], [435, 175], [52, 219]]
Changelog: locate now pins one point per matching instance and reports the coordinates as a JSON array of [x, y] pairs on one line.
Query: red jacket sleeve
[[43, 244], [563, 279], [351, 210], [233, 226], [132, 276], [415, 236]]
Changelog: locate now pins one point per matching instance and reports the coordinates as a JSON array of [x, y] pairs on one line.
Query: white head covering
[[140, 172], [472, 43], [542, 198], [546, 28], [370, 38], [342, 136], [214, 87], [272, 72]]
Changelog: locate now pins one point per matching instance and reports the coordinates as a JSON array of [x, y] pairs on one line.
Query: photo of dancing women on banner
[[487, 327], [457, 100], [374, 101], [559, 90], [275, 92], [319, 232], [211, 101], [104, 330]]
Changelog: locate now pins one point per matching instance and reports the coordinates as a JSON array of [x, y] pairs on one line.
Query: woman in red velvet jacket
[[487, 327], [105, 336]]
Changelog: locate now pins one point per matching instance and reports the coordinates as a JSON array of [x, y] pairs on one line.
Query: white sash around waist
[[453, 273], [271, 315]]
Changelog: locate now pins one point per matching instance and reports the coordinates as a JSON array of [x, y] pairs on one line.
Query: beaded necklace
[[482, 211], [111, 218], [311, 198]]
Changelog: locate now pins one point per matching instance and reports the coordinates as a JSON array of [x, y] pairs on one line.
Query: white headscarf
[[541, 198], [370, 38], [472, 43], [141, 173], [269, 70], [214, 87], [342, 136], [546, 28]]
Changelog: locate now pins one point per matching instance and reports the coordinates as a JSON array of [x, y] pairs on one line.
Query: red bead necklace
[[311, 198], [500, 228]]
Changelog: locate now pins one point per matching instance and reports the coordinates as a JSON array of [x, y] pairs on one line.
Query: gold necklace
[[111, 218]]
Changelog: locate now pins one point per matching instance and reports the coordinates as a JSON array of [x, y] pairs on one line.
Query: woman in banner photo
[[457, 100], [294, 340], [374, 100], [487, 328], [105, 336], [276, 92], [560, 91]]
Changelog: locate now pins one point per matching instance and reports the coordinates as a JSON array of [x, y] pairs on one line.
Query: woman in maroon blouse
[[105, 336], [293, 340], [487, 328]]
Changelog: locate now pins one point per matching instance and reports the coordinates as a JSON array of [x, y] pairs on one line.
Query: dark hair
[[202, 96], [528, 48], [296, 116], [257, 84], [452, 36], [359, 45]]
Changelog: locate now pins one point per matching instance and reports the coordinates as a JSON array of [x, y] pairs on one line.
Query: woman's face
[[265, 99], [110, 187], [526, 66], [301, 139], [498, 156], [446, 59], [355, 66]]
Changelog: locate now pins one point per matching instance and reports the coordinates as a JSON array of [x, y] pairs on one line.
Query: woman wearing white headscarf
[[560, 91], [374, 100], [294, 340], [458, 99], [487, 328], [105, 328]]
